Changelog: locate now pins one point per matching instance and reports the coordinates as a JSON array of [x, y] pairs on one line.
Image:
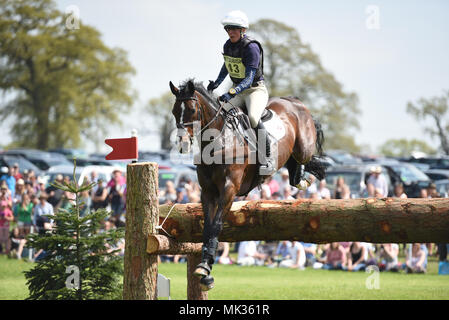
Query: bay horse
[[299, 150]]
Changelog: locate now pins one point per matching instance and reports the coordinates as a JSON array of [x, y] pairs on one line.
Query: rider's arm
[[222, 75], [246, 83]]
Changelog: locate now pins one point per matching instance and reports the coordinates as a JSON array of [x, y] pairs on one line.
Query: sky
[[387, 52]]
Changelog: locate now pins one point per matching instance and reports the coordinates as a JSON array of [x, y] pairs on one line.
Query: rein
[[199, 110]]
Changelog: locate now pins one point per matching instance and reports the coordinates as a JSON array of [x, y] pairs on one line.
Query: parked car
[[81, 173], [175, 174], [443, 187], [343, 157], [411, 177], [42, 159], [70, 153], [434, 162], [7, 160], [355, 177], [437, 174]]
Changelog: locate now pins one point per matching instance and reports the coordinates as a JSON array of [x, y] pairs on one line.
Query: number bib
[[235, 67]]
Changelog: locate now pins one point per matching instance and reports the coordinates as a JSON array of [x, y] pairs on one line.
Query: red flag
[[122, 148]]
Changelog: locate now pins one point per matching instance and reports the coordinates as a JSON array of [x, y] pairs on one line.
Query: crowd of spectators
[[25, 199]]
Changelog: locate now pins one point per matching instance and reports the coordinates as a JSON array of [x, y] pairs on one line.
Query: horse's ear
[[173, 89], [191, 87]]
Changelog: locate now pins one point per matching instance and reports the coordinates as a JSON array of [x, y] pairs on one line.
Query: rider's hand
[[225, 98], [212, 85]]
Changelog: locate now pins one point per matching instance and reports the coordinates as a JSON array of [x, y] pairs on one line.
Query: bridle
[[182, 125]]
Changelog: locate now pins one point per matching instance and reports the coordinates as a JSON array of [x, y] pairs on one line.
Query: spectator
[[6, 217], [223, 253], [181, 197], [310, 251], [322, 191], [378, 181], [388, 257], [283, 251], [356, 257], [17, 243], [115, 196], [277, 196], [248, 254], [20, 190], [423, 193], [417, 262], [54, 194], [42, 208], [100, 195], [297, 258], [10, 180], [284, 179], [432, 191], [335, 257], [16, 173], [23, 213], [169, 194], [286, 193], [399, 191], [192, 195], [312, 189], [265, 192], [85, 203], [273, 185], [341, 189]]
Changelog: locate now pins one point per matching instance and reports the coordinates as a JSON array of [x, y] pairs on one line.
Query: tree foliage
[[75, 241], [291, 68], [435, 108], [160, 108], [404, 147], [64, 83]]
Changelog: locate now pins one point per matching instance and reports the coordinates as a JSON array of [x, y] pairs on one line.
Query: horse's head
[[186, 111]]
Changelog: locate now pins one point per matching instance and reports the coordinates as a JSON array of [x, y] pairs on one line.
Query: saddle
[[237, 119]]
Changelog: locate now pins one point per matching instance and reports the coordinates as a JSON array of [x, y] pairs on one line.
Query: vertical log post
[[193, 283], [142, 217]]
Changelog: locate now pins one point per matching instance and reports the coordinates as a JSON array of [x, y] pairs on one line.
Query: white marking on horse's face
[[183, 108]]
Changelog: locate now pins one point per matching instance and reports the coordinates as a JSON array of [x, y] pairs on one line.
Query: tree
[[160, 108], [65, 83], [79, 261], [404, 147], [292, 68], [435, 108]]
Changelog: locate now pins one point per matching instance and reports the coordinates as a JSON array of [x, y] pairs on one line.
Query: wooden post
[[142, 217], [193, 283]]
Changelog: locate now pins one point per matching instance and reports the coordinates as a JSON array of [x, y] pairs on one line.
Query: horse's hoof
[[200, 272], [206, 283]]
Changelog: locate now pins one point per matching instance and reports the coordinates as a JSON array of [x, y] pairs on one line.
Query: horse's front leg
[[213, 225]]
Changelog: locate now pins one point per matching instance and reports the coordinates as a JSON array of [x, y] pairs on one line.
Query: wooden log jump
[[385, 220]]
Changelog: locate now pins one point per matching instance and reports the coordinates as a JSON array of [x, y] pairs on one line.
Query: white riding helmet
[[236, 18]]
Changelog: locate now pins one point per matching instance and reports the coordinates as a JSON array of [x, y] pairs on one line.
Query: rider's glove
[[226, 97], [212, 85]]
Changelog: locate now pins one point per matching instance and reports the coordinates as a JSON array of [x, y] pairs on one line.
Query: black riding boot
[[266, 159]]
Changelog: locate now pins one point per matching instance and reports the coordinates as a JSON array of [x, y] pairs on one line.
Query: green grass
[[234, 282]]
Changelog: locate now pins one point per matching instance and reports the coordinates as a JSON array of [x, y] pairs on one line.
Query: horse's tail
[[315, 166]]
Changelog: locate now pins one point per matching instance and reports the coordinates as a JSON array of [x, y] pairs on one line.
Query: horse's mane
[[198, 86]]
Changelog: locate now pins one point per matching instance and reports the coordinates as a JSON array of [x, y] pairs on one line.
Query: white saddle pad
[[275, 126]]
